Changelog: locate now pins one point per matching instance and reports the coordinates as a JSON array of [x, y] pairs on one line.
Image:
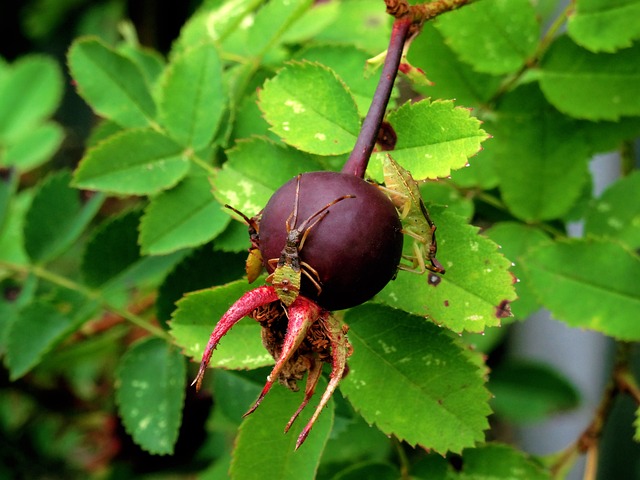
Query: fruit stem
[[359, 158]]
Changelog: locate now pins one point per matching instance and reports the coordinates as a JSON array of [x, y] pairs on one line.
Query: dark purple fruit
[[355, 248]]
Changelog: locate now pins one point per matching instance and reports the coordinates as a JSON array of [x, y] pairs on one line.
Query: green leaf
[[264, 429], [12, 231], [30, 91], [133, 162], [529, 392], [150, 62], [111, 249], [540, 156], [255, 169], [201, 269], [588, 284], [594, 86], [413, 380], [494, 36], [214, 22], [636, 424], [57, 217], [348, 62], [150, 389], [111, 83], [445, 194], [377, 470], [616, 214], [451, 78], [425, 146], [361, 23], [185, 216], [33, 333], [474, 291], [192, 99], [8, 187], [35, 147], [197, 315], [499, 462], [604, 25], [40, 326], [309, 107], [516, 240]]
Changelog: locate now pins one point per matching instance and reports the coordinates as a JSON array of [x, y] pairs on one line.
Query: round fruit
[[355, 248]]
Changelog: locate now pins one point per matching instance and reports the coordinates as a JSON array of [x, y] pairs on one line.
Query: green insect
[[404, 193], [287, 276], [253, 265]]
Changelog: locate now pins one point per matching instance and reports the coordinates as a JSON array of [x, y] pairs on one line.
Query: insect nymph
[[404, 193], [289, 268]]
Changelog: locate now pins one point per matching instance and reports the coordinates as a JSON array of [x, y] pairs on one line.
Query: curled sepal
[[246, 304], [340, 350], [302, 313]]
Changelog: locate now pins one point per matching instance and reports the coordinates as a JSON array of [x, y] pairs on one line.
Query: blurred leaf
[[494, 36], [499, 462], [451, 78], [111, 83], [588, 284], [196, 316], [213, 21], [424, 146], [30, 91], [441, 193], [474, 291], [57, 217], [40, 326], [235, 391], [12, 231], [133, 162], [361, 23], [540, 156], [35, 147], [431, 395], [616, 214], [313, 21], [604, 25], [185, 216], [150, 62], [265, 427], [8, 186], [192, 99], [349, 63], [369, 471], [528, 392], [593, 86], [309, 107], [203, 268], [150, 389], [111, 249], [516, 240], [255, 169]]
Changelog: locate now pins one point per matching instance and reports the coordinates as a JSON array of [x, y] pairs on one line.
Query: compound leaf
[[196, 316], [30, 92], [433, 394], [310, 108], [133, 162], [476, 289], [588, 284], [150, 386], [516, 240], [616, 214], [604, 25], [111, 83], [425, 147], [593, 86], [540, 156], [264, 429], [185, 216], [255, 169], [494, 36], [56, 217], [192, 99]]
